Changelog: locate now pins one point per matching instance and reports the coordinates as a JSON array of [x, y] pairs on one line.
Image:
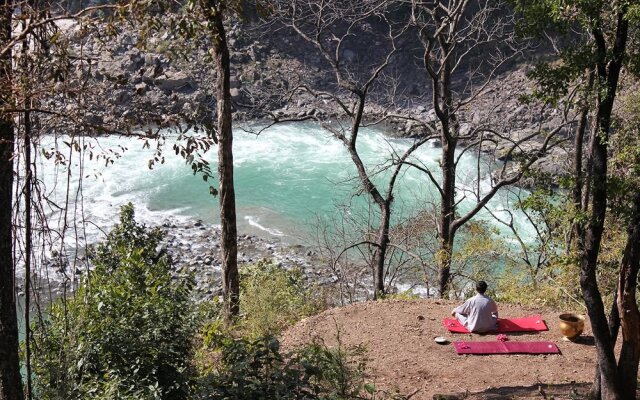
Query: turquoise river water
[[287, 178]]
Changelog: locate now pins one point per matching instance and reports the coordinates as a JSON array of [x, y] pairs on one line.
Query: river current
[[287, 179]]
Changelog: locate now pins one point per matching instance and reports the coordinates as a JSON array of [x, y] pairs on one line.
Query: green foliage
[[245, 361], [127, 332], [406, 295], [555, 286], [250, 369], [555, 79], [339, 372], [477, 255], [538, 270], [624, 163], [255, 369], [571, 24], [273, 298], [124, 239]]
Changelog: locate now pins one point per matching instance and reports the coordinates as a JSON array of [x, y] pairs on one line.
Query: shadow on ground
[[564, 391]]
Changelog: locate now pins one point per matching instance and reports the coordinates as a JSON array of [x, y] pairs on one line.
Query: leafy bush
[[273, 298], [245, 361], [255, 369], [127, 332]]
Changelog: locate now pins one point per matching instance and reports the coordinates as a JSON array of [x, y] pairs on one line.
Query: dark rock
[[175, 82], [236, 94], [141, 88]]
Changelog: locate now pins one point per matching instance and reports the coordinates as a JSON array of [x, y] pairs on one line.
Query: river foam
[[287, 179]]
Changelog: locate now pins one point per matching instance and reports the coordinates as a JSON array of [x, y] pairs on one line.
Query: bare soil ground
[[403, 356]]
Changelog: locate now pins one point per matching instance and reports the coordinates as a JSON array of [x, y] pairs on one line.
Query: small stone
[[141, 88]]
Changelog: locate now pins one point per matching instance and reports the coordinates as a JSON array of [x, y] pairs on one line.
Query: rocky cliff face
[[135, 84]]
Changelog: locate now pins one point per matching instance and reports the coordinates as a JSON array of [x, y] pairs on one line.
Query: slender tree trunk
[[27, 249], [229, 246], [229, 241], [384, 206], [577, 230], [628, 308], [608, 71], [447, 215], [588, 279], [443, 104], [10, 378], [448, 136], [381, 251], [614, 327]]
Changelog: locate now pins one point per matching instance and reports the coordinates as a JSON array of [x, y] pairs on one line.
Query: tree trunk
[[628, 308], [608, 72], [614, 327], [382, 241], [229, 240], [588, 279], [27, 250], [10, 378], [447, 215], [577, 230], [381, 251], [443, 104]]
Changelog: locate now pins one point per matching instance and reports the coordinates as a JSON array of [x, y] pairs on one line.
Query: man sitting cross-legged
[[478, 314]]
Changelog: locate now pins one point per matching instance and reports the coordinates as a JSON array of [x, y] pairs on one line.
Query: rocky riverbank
[[194, 248]]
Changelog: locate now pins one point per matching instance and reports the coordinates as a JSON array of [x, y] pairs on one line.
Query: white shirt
[[478, 314]]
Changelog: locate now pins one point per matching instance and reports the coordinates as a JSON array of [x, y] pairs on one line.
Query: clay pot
[[571, 325]]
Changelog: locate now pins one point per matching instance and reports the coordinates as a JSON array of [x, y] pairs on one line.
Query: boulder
[[175, 82], [141, 88], [236, 94]]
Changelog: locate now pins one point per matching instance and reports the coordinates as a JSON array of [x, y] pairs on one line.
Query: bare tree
[[470, 42], [329, 27]]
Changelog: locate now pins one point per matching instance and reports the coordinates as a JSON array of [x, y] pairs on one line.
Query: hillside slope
[[401, 352]]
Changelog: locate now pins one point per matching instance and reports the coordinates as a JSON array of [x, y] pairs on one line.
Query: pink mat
[[499, 347], [532, 323]]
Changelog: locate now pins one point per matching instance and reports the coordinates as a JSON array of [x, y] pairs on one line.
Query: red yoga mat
[[499, 347], [532, 323]]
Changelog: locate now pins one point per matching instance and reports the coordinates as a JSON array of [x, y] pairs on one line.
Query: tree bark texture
[[628, 308], [229, 242], [447, 216], [578, 172], [10, 378], [608, 73], [443, 102], [614, 327]]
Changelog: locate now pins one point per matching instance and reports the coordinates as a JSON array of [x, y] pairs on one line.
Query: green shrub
[[338, 372], [256, 369], [406, 295], [273, 299], [127, 332]]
